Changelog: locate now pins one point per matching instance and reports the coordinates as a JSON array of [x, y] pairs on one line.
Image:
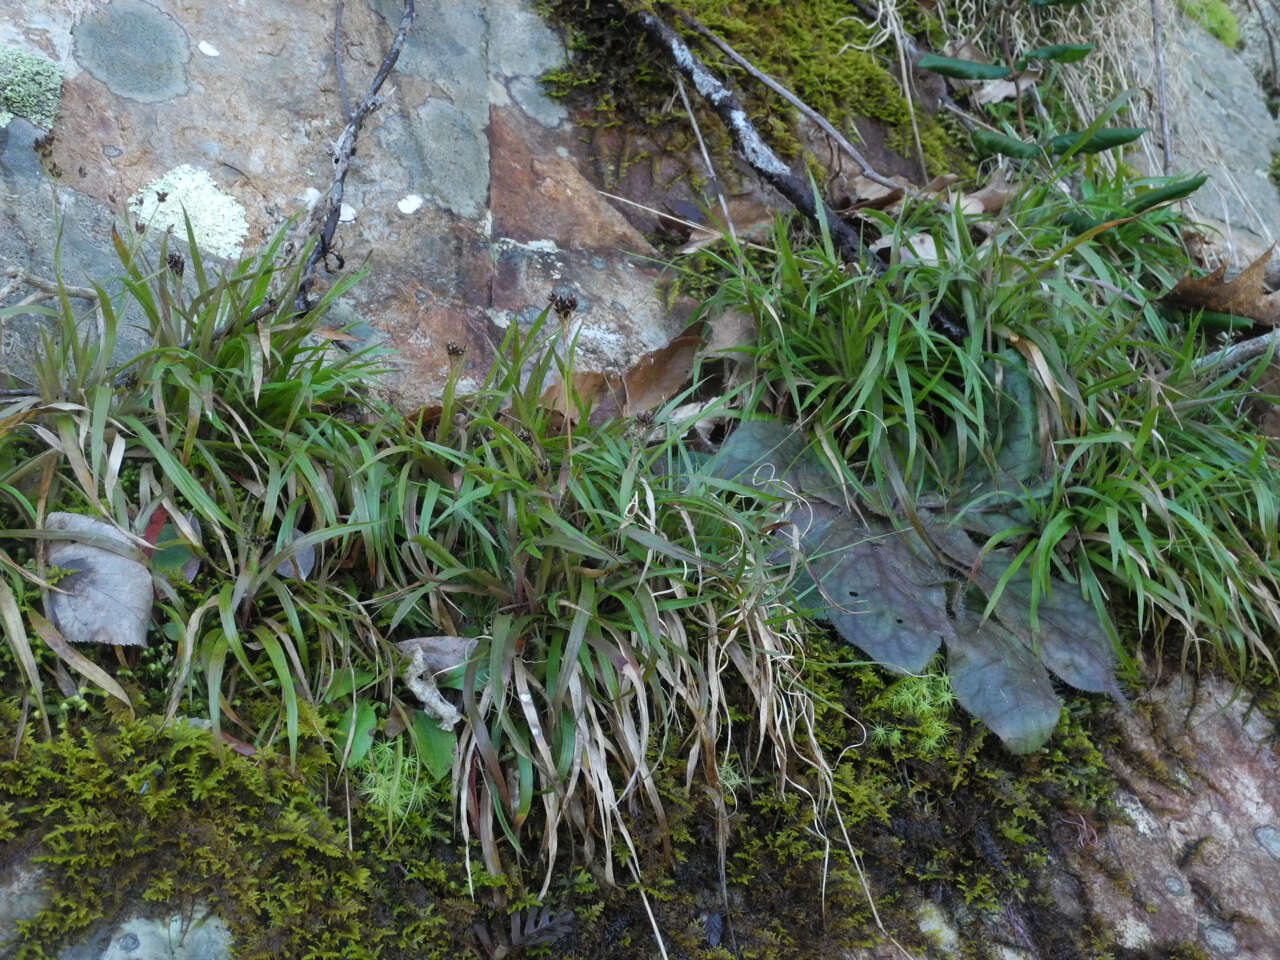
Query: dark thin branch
[[750, 144], [329, 208], [1158, 43], [766, 163], [337, 63]]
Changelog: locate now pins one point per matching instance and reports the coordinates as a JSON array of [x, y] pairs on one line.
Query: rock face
[[464, 203], [1220, 121], [1199, 860]]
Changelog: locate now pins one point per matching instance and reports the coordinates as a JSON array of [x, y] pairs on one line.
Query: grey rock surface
[[242, 101], [197, 935], [22, 896], [1220, 124]]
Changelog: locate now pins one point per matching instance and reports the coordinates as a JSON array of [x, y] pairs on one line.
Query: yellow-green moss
[[811, 46], [145, 813]]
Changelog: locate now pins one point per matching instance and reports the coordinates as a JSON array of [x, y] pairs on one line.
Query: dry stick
[[1158, 43], [867, 170], [1271, 42], [1238, 353], [766, 163], [328, 210], [749, 143], [706, 159]]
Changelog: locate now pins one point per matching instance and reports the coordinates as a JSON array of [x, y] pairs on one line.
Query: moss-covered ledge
[[147, 814]]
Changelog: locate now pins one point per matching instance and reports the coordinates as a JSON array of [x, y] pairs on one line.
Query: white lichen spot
[[347, 214], [1143, 821], [1133, 934], [533, 246], [936, 926], [217, 218], [208, 49], [409, 204], [310, 196]]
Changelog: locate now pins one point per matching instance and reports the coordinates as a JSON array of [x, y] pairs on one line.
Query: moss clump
[[30, 86], [811, 46], [1216, 17], [146, 813]]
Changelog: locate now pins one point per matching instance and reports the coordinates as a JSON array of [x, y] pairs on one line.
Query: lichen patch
[[217, 218]]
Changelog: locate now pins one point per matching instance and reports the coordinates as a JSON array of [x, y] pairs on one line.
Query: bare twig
[[841, 141], [1238, 353], [768, 166], [1158, 43], [324, 215], [48, 286], [750, 144]]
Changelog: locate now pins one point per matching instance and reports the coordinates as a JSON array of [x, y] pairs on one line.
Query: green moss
[[811, 46], [142, 812], [30, 86], [1216, 17]]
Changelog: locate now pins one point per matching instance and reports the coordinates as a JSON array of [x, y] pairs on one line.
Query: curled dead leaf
[[995, 194], [1243, 296], [429, 658]]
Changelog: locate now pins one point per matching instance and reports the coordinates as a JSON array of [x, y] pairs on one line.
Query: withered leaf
[[659, 374], [102, 595], [1243, 296]]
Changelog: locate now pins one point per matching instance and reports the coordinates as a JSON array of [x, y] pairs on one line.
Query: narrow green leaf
[[963, 69], [987, 142], [17, 636], [1060, 52], [1100, 140], [181, 477], [288, 695], [1177, 190]]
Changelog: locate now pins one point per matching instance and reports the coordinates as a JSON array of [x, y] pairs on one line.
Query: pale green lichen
[[30, 86], [217, 218]]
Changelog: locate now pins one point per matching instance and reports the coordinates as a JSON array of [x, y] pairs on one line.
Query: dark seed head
[[455, 349], [175, 263], [563, 302]]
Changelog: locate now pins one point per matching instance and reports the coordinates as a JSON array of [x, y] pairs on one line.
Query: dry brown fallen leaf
[[660, 374], [1243, 296], [995, 194], [994, 91]]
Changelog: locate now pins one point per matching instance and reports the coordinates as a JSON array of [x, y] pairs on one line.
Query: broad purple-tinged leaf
[[101, 596], [1071, 640], [300, 558], [997, 679], [173, 554], [879, 593], [765, 451]]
